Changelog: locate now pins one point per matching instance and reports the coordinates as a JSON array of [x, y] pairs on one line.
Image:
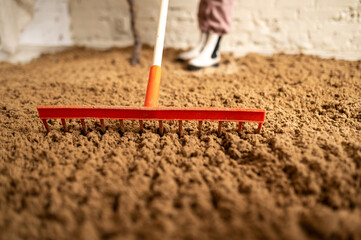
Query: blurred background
[[328, 28]]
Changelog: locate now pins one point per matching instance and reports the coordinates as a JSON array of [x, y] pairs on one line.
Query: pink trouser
[[215, 16]]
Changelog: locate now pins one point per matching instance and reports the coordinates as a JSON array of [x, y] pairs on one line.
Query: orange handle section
[[152, 95]]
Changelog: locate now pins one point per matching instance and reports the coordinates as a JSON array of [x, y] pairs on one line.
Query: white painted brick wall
[[330, 28], [321, 27], [48, 28]]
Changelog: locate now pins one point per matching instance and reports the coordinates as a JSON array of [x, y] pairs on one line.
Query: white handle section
[[159, 42]]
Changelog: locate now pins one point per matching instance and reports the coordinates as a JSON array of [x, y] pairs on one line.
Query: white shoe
[[186, 56], [209, 57]]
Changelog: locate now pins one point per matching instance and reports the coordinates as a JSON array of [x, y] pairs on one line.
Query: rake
[[151, 111]]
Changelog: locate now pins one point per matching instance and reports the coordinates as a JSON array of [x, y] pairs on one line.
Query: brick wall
[[321, 27], [330, 28]]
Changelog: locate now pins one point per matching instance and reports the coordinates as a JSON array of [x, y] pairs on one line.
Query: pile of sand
[[300, 178]]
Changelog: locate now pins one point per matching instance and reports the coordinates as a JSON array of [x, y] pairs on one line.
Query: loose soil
[[299, 179]]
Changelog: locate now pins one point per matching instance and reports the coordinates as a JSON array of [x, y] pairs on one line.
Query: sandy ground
[[299, 179]]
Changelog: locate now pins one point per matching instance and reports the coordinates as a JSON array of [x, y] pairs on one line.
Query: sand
[[299, 179]]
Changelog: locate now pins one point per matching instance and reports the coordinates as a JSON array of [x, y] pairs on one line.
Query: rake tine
[[161, 129], [220, 128], [141, 126], [102, 125], [64, 125], [240, 127], [46, 125], [84, 128], [122, 129], [259, 128], [180, 130], [200, 123]]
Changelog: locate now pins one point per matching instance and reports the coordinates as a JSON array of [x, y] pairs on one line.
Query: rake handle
[[152, 95]]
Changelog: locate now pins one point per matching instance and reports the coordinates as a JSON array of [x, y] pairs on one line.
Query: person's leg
[[220, 16], [203, 12], [217, 21]]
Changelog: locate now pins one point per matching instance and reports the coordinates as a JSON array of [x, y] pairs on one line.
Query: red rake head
[[199, 114]]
